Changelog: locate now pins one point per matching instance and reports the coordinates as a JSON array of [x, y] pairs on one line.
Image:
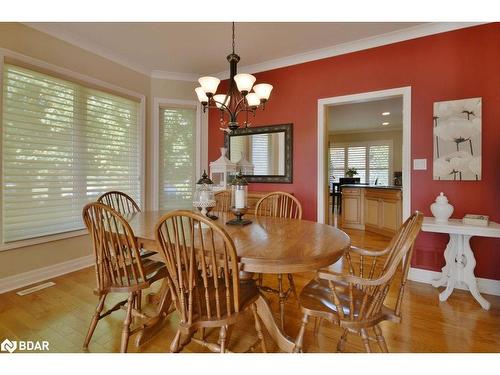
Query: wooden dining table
[[268, 245]]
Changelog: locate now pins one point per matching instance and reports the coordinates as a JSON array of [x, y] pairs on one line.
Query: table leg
[[468, 276], [285, 343], [459, 267]]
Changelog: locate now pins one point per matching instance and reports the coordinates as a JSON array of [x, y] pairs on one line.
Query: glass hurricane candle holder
[[239, 190], [204, 198]]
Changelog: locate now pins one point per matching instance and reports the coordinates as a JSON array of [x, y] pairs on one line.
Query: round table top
[[267, 245]]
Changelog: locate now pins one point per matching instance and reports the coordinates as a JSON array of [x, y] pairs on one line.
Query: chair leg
[[174, 345], [291, 281], [282, 298], [222, 338], [380, 339], [366, 340], [300, 337], [258, 328], [138, 300], [260, 279], [95, 319], [126, 323], [342, 341]]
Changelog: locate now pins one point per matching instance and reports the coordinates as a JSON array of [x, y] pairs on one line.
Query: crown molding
[[161, 74], [71, 38], [354, 46], [340, 49]]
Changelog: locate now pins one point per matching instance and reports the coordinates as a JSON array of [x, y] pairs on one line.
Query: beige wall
[[30, 42], [395, 136]]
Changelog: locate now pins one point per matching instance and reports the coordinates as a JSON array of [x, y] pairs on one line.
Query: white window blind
[[63, 144], [337, 163], [372, 161], [260, 154], [356, 158], [379, 164], [177, 155]]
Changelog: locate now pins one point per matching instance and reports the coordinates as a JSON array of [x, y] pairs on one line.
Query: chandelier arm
[[224, 108], [246, 109]]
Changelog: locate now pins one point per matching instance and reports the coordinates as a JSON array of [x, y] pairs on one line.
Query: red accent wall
[[454, 65]]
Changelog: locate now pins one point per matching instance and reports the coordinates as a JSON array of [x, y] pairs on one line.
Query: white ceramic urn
[[441, 209]]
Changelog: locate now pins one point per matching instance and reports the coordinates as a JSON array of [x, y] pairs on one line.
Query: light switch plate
[[419, 164]]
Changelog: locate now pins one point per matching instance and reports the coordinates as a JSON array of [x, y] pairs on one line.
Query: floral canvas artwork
[[457, 140]]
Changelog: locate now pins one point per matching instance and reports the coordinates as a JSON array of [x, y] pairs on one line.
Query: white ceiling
[[366, 116], [201, 48]]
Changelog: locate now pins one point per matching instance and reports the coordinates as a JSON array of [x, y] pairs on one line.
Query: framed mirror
[[264, 153]]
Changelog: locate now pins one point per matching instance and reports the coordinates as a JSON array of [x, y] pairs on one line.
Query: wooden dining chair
[[120, 202], [204, 279], [285, 205], [119, 266], [222, 201], [356, 300]]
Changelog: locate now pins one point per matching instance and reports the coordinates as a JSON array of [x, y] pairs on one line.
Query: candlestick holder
[[239, 207]]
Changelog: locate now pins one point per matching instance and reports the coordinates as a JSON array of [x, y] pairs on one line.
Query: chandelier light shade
[[239, 97], [209, 85], [263, 91]]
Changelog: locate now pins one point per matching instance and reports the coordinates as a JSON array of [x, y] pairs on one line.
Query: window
[[177, 156], [259, 154], [63, 144], [372, 161]]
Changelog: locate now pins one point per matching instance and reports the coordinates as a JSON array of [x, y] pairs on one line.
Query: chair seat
[[317, 297], [248, 293], [153, 271]]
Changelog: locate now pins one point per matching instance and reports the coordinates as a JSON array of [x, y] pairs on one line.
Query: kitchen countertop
[[363, 186]]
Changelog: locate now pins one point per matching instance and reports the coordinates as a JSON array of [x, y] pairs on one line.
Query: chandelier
[[239, 97]]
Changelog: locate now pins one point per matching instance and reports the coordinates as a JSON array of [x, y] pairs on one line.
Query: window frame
[[366, 144], [201, 143], [8, 56]]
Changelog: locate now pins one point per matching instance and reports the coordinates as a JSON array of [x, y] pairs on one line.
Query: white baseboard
[[486, 286], [41, 274]]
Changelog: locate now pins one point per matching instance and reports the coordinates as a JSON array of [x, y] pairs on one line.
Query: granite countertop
[[364, 186]]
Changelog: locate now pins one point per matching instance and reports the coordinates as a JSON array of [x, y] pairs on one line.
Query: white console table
[[460, 261]]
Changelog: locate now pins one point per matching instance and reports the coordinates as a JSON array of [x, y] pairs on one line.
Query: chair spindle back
[[279, 204], [120, 202], [223, 201], [202, 265], [118, 260], [399, 252]]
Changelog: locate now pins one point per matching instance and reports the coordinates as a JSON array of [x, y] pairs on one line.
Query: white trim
[[322, 146], [99, 84], [418, 31], [41, 274], [201, 142], [356, 131], [174, 76], [354, 46], [487, 286]]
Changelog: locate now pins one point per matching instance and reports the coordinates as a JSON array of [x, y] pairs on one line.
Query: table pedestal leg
[[459, 267]]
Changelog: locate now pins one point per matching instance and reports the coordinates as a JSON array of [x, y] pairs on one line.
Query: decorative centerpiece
[[221, 170], [239, 190], [441, 209], [204, 199]]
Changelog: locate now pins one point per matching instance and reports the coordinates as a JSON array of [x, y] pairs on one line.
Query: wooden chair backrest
[[120, 202], [223, 201], [399, 254], [118, 260], [202, 265], [279, 204]]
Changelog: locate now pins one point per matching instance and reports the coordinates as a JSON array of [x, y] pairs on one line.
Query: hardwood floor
[[61, 315]]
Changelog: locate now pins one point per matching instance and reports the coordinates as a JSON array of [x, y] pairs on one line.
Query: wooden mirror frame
[[287, 178]]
